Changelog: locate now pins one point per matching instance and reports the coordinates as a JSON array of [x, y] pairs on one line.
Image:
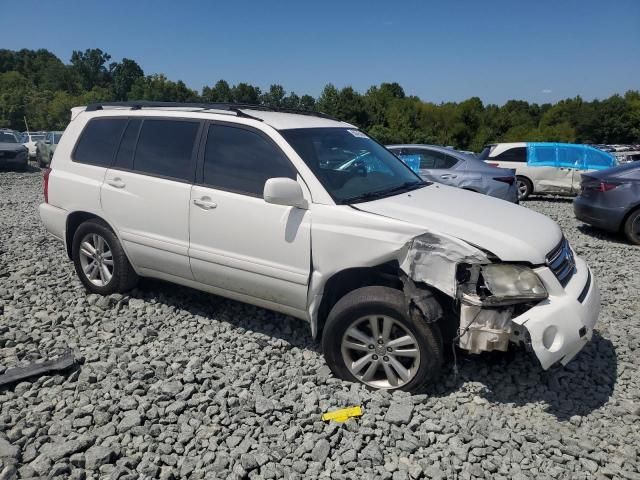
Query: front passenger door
[[249, 249]]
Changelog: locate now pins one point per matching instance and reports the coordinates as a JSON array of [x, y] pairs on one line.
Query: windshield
[[6, 137], [350, 165], [56, 138]]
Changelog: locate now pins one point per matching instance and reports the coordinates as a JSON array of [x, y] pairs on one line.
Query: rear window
[[99, 140], [166, 148], [6, 137]]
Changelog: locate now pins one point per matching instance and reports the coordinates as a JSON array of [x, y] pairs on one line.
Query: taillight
[[605, 186], [47, 171], [509, 180], [493, 164]]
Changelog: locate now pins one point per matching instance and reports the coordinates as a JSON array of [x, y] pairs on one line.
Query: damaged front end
[[486, 295]]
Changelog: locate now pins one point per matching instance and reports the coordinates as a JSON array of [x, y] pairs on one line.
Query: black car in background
[[12, 153], [610, 199]]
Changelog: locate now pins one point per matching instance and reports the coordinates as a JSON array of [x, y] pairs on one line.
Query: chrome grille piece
[[561, 262]]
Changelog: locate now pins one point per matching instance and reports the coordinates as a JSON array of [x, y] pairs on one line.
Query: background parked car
[[12, 152], [547, 167], [46, 147], [451, 167], [29, 140], [610, 199]]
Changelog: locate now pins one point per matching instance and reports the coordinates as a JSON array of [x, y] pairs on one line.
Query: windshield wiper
[[404, 187]]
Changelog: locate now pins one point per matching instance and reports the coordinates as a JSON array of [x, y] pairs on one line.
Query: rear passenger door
[[146, 193], [240, 244]]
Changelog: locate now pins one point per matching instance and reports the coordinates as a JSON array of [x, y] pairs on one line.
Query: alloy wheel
[[523, 188], [380, 352], [96, 259]]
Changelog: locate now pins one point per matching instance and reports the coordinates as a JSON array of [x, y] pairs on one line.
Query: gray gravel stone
[[131, 419], [180, 383], [97, 456], [321, 451], [399, 413]]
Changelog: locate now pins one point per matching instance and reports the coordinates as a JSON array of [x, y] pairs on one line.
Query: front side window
[[166, 148], [571, 156], [351, 166], [241, 161], [56, 138], [98, 141], [595, 159]]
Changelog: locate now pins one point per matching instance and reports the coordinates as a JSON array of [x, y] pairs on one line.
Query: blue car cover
[[568, 155]]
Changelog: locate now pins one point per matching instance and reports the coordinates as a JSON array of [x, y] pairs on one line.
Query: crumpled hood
[[511, 232]]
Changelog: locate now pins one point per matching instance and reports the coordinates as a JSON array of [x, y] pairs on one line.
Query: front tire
[[369, 338], [632, 227], [99, 260], [525, 188]]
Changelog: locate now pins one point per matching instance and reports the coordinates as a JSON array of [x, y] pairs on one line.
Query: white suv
[[269, 208]]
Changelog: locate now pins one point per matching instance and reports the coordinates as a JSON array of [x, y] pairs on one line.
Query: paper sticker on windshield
[[357, 133]]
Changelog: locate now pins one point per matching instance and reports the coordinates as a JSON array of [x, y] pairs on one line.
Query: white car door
[[240, 244], [146, 194]]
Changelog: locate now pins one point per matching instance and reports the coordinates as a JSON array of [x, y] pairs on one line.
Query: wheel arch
[[626, 216], [350, 279], [77, 218], [387, 274]]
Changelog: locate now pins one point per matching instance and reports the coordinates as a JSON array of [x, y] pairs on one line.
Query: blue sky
[[539, 51]]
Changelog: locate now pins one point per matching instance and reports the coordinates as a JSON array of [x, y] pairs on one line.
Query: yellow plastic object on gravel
[[342, 415]]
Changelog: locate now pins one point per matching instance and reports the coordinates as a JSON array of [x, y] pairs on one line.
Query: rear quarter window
[[516, 154], [98, 141]]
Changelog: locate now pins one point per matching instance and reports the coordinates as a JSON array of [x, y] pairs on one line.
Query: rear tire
[[407, 356], [525, 188], [632, 227], [99, 260]]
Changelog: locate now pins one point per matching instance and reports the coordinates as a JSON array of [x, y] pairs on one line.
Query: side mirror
[[284, 191], [48, 142]]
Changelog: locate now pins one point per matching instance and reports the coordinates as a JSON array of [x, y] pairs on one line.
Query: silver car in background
[[458, 169]]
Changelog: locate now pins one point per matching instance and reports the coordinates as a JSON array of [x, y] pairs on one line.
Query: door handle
[[205, 203], [117, 182], [448, 175]]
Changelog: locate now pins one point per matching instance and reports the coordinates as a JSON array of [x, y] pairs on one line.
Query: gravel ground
[[180, 384]]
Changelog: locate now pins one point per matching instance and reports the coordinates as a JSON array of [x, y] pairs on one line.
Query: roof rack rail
[[232, 107]]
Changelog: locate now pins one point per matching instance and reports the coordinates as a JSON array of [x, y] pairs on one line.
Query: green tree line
[[37, 85]]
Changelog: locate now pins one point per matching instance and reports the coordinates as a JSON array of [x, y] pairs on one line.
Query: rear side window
[[98, 141], [166, 148], [517, 154], [239, 160], [431, 159], [124, 157]]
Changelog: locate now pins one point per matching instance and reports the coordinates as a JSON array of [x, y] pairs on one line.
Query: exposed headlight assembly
[[505, 284]]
